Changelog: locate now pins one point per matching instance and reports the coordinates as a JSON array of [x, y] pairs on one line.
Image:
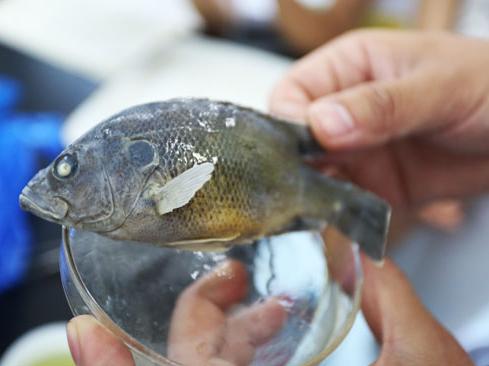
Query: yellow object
[[61, 359], [378, 19]]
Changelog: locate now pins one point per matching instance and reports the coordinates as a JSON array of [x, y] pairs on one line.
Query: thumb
[[408, 333], [93, 345], [375, 112]]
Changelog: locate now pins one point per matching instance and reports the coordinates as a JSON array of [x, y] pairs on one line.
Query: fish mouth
[[53, 209]]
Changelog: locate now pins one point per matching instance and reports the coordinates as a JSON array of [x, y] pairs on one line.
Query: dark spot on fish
[[141, 153]]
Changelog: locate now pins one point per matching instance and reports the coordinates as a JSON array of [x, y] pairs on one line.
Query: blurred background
[[66, 65]]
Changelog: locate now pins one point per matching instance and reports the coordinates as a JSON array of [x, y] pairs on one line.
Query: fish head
[[73, 190], [93, 184]]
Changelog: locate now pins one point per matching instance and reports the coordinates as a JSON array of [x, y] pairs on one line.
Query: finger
[[93, 345], [198, 320], [337, 65], [260, 322], [224, 286], [251, 328], [401, 323], [389, 303], [376, 170], [362, 87], [349, 60], [341, 262], [376, 112]]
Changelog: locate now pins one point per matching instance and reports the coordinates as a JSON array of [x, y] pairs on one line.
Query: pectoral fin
[[180, 190]]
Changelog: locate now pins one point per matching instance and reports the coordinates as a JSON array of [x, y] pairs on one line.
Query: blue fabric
[[10, 91], [24, 138]]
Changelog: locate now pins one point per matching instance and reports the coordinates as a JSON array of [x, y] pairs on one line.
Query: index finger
[[335, 66]]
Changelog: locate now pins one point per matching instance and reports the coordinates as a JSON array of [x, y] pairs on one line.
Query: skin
[[402, 114], [414, 130]]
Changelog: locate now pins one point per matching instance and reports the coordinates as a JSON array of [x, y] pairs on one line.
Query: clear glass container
[[285, 300]]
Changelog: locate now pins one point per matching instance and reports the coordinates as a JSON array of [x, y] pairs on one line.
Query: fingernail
[[214, 279], [73, 341], [333, 118], [226, 284]]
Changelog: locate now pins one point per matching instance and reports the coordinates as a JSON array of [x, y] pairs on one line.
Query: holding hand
[[404, 114], [407, 332]]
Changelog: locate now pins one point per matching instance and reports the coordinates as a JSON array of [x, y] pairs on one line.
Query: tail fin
[[358, 214], [365, 219]]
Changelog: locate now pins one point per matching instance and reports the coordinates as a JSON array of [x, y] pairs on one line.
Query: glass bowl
[[284, 300]]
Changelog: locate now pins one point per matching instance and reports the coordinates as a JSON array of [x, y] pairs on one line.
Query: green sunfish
[[196, 173]]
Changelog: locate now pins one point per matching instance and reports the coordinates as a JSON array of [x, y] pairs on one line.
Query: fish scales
[[233, 202], [197, 173]]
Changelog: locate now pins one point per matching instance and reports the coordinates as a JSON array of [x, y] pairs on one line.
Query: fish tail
[[356, 213]]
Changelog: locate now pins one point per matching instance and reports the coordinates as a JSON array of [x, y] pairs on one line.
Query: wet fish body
[[198, 173]]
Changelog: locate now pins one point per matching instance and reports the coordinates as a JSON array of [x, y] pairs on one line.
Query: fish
[[195, 173]]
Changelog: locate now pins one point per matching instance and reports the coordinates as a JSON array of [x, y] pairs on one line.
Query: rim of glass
[[350, 319], [100, 314]]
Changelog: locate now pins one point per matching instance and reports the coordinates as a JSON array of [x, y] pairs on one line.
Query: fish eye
[[65, 166]]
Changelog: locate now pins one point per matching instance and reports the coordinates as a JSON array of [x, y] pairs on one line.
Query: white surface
[[195, 66], [473, 19], [44, 341], [254, 10], [303, 252], [474, 333], [302, 249], [358, 349], [93, 37]]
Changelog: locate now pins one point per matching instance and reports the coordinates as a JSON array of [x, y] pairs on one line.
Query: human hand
[[407, 332], [202, 332], [403, 114]]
